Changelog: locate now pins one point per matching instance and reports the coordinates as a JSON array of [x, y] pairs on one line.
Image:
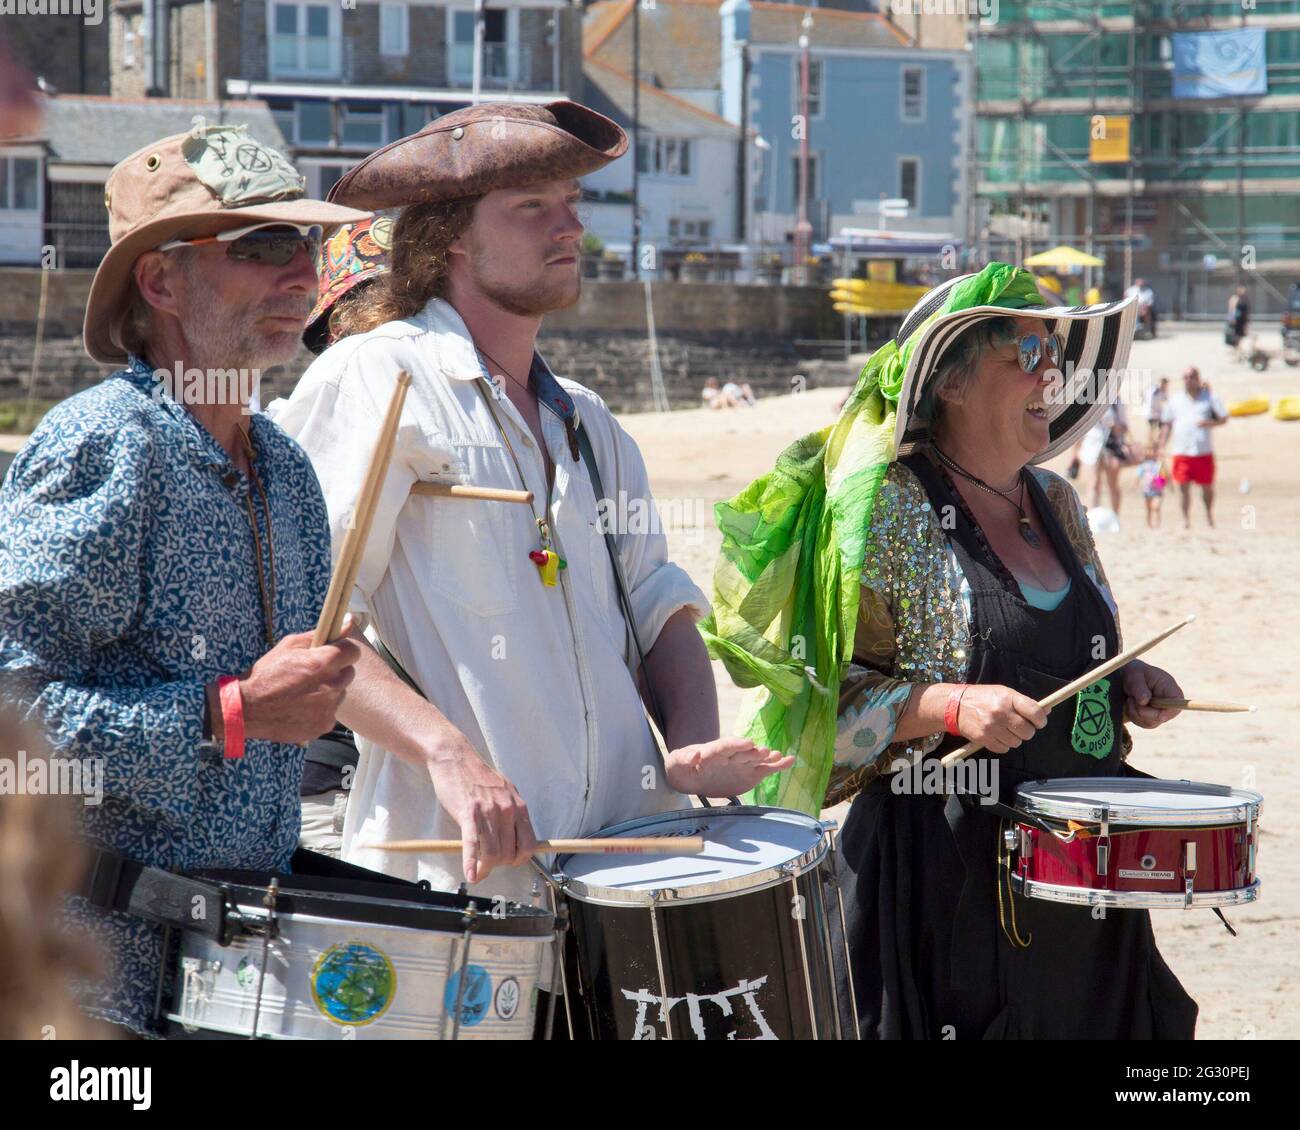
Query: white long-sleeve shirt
[[538, 679]]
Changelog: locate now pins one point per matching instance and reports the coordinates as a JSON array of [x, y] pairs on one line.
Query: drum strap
[[120, 884], [624, 600]]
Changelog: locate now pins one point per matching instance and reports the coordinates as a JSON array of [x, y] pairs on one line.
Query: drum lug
[[1189, 871], [1010, 838], [1103, 844]]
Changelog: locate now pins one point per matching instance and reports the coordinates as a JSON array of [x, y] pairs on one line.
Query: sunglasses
[[1031, 346], [271, 245]]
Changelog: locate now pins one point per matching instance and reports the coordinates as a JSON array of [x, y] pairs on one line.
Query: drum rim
[[754, 882], [317, 897], [1133, 900], [1246, 809]]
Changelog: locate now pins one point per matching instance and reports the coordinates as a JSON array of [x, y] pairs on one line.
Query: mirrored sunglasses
[[1030, 348]]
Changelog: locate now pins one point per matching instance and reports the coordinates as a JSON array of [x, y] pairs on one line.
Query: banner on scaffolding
[[1219, 64], [1108, 140]]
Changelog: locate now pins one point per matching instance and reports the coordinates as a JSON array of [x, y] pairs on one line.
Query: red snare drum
[[1135, 842]]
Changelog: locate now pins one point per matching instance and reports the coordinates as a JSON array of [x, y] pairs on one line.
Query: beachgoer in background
[[739, 393], [1158, 416], [1105, 449], [1194, 412], [1153, 480], [1238, 322]]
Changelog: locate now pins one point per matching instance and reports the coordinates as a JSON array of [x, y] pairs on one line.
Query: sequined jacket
[[914, 617]]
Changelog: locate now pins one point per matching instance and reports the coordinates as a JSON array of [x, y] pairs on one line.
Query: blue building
[[886, 119]]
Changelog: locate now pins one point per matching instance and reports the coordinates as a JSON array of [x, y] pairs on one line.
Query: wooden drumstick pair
[[1103, 669]]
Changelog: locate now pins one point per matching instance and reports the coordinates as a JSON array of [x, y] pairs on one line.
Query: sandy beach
[[1241, 579]]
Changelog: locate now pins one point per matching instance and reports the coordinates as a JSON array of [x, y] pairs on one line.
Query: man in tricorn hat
[[164, 552], [505, 615]]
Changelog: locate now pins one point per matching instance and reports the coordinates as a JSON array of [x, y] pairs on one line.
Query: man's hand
[[1142, 683], [292, 693], [725, 767], [493, 818]]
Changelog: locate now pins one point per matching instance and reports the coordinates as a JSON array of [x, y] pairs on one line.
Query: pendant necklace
[[548, 562], [1026, 530]]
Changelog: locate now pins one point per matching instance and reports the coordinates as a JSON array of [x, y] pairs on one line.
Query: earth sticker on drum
[[353, 983]]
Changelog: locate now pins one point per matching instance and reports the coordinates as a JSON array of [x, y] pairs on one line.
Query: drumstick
[[1201, 704], [464, 490], [1071, 689], [354, 541], [650, 845]]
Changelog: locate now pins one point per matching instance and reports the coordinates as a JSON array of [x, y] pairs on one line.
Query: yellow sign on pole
[[1109, 139], [881, 270]]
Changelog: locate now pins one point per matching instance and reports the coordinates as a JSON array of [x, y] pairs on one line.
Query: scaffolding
[[1210, 194]]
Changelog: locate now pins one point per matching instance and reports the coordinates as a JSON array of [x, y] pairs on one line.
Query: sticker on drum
[[353, 983], [477, 997]]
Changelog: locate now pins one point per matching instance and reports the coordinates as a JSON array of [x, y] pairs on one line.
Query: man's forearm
[[683, 678], [384, 710]]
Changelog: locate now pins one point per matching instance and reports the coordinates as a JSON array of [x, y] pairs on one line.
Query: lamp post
[[802, 228]]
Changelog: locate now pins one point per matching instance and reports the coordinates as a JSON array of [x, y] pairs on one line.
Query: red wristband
[[232, 714], [950, 711]]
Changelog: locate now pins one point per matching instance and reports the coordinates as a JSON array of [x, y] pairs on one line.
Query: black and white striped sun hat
[[1097, 343]]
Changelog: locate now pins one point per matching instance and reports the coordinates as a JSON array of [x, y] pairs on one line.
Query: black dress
[[930, 957]]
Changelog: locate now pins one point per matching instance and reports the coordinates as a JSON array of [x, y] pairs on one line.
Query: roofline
[[603, 35], [656, 92], [838, 13], [234, 103]]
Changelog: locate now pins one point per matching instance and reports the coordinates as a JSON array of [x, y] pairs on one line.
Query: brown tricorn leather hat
[[475, 150], [209, 180]]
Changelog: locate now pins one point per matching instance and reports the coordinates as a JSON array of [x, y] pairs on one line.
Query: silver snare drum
[[332, 958]]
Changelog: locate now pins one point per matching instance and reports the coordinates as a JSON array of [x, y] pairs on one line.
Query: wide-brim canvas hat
[[203, 182], [354, 254], [1097, 343], [480, 148]]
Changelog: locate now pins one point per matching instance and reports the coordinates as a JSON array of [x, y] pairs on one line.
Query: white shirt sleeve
[[336, 415]]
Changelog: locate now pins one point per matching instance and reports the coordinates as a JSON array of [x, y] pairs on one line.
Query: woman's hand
[[1142, 683], [725, 767], [998, 718]]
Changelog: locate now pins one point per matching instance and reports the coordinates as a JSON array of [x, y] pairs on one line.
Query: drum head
[[1139, 800], [745, 848]]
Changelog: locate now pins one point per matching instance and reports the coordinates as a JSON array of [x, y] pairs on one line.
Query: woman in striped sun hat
[[912, 579]]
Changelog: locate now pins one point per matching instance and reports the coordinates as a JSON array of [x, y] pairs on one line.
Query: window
[[814, 85], [19, 184], [913, 94], [909, 180], [315, 126], [394, 29], [500, 44], [361, 123], [415, 116], [812, 179], [690, 231], [128, 45], [666, 156], [305, 39]]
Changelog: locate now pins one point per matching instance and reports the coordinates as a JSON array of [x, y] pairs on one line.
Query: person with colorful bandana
[[946, 583]]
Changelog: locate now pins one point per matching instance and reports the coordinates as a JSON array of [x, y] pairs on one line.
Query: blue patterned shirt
[[128, 581]]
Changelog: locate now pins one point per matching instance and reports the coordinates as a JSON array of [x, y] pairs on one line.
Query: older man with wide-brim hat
[[505, 615], [166, 552]]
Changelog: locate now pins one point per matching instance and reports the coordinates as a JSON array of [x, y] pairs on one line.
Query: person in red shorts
[[1194, 412]]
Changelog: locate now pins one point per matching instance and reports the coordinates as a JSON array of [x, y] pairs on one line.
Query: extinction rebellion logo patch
[[1094, 729]]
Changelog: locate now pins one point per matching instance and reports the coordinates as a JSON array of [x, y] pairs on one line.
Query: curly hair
[[418, 267], [957, 366]]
